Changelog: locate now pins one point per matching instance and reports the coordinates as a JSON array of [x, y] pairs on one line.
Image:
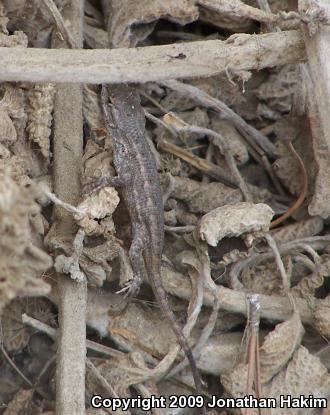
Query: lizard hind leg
[[136, 256]]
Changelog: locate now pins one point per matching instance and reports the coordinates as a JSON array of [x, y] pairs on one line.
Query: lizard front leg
[[98, 184]]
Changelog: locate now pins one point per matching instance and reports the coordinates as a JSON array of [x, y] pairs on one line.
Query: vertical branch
[[317, 81], [68, 134]]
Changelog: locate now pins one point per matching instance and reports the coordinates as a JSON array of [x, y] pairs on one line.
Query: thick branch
[[278, 309], [152, 63], [68, 122], [318, 85]]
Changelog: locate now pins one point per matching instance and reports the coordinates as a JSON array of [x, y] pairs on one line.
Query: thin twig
[[17, 370], [256, 139], [279, 308], [58, 20], [179, 229], [53, 334], [181, 126], [205, 279], [270, 24], [289, 247], [62, 204], [101, 379], [273, 246], [199, 163]]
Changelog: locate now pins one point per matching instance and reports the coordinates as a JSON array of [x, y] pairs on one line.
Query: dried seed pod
[[41, 104], [97, 206], [234, 220]]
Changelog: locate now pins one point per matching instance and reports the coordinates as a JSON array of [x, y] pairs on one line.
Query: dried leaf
[[97, 162], [234, 220], [209, 13], [7, 130], [305, 375], [262, 279], [3, 20], [114, 372], [94, 261], [97, 206], [322, 316], [133, 21], [279, 345], [92, 109], [203, 197], [307, 286], [234, 140], [13, 101], [319, 204], [136, 327], [229, 93], [70, 264], [95, 37], [35, 22], [21, 403], [301, 229], [277, 91], [18, 39], [287, 169], [234, 381], [21, 263], [15, 335], [99, 305]]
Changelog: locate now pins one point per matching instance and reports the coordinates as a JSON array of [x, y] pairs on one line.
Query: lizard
[[138, 179]]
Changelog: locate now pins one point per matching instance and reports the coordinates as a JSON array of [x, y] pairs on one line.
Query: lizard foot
[[131, 288]]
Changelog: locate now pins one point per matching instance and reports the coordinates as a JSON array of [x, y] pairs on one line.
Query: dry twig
[[152, 63]]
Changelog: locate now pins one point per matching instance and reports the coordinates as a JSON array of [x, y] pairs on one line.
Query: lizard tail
[[161, 297]]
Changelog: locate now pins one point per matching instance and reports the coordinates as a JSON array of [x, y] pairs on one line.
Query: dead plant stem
[[68, 133]]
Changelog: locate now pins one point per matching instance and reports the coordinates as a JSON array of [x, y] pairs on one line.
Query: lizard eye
[[122, 150]]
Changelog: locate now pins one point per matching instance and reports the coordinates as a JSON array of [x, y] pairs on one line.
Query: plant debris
[[235, 96]]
